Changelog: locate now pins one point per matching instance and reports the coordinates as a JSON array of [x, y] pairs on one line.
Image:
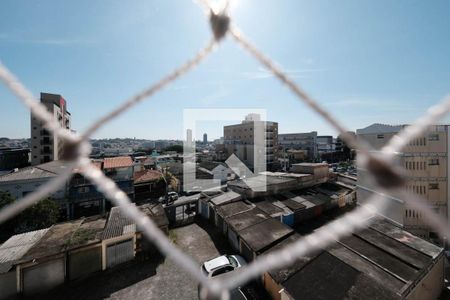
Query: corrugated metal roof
[[117, 162], [16, 247], [116, 223]]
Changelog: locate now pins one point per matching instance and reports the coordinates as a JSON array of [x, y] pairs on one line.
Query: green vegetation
[[81, 236], [41, 215], [172, 236], [177, 148]]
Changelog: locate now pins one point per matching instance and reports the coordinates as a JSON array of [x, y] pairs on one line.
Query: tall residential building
[[255, 142], [45, 145], [189, 138], [300, 141], [426, 164], [205, 138]]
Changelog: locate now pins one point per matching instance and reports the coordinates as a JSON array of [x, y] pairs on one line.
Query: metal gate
[[85, 262], [8, 285], [43, 277], [119, 253]]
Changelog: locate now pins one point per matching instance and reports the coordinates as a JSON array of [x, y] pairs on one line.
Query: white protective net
[[380, 167]]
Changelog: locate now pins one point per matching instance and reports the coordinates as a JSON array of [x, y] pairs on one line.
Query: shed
[[257, 238], [11, 252], [228, 210], [84, 255], [118, 239], [238, 222], [381, 260], [43, 267]]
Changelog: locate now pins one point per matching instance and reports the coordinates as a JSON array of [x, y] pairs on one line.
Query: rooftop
[[54, 241], [16, 246], [231, 209], [246, 219], [226, 197], [381, 259], [118, 224], [47, 170], [210, 165], [264, 234], [117, 162], [146, 176]]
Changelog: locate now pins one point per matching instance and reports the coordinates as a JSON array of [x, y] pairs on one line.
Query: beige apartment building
[[426, 165], [255, 142], [45, 146]]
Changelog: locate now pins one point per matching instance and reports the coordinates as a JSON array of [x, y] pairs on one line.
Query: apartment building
[[426, 165], [300, 141], [325, 144], [255, 142], [46, 146]]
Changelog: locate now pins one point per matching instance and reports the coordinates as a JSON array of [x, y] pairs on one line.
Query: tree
[[41, 215], [177, 148]]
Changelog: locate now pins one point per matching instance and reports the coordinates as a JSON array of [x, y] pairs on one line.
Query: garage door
[[8, 285], [85, 262], [43, 277], [119, 253]]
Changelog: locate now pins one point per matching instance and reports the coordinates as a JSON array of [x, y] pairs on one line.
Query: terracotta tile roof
[[95, 163], [146, 175], [117, 162]]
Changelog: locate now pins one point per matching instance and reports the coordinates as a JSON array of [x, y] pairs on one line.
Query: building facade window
[[83, 189], [433, 137], [433, 162], [433, 186]]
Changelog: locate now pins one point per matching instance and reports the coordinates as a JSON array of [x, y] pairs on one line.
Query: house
[[121, 239], [29, 179], [149, 184], [120, 170], [37, 261], [32, 263], [118, 239], [218, 170], [83, 197]]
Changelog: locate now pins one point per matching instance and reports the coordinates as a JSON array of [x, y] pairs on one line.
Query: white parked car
[[222, 264]]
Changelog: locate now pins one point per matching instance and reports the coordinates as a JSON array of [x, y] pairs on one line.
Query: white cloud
[[55, 41], [263, 73]]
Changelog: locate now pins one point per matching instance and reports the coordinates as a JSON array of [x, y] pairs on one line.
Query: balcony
[[46, 141], [79, 181], [92, 195], [46, 151]]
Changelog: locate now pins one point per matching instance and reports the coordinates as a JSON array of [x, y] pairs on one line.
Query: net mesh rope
[[379, 165]]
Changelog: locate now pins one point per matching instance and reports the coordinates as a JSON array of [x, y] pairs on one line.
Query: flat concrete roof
[[246, 219], [263, 234], [381, 260], [230, 209], [225, 198]]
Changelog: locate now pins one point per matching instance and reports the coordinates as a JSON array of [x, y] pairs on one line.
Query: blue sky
[[366, 61]]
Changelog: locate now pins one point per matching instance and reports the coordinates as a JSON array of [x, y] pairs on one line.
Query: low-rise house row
[[36, 262]]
